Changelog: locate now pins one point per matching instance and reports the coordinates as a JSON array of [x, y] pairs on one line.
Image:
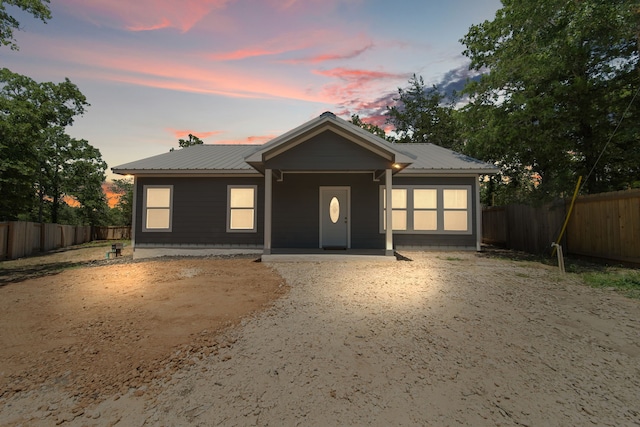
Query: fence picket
[[605, 225]]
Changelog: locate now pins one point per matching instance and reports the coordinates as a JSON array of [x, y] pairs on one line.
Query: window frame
[[440, 210], [254, 209], [145, 209]]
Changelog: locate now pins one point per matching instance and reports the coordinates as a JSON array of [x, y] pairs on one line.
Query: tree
[[424, 115], [39, 162], [561, 77], [85, 178], [38, 8], [192, 140], [370, 127], [69, 167], [124, 189]]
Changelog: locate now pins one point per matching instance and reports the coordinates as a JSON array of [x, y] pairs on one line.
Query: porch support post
[[134, 213], [268, 197], [389, 211], [478, 216]]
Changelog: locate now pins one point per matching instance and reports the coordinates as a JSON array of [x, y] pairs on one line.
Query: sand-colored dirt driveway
[[444, 339]]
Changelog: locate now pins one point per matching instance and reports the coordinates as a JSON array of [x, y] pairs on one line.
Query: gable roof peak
[[328, 114]]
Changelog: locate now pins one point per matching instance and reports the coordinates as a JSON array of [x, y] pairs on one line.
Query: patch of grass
[[595, 274], [523, 275], [453, 258], [626, 281]]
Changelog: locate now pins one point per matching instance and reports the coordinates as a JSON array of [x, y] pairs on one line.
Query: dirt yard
[[444, 339], [117, 325]]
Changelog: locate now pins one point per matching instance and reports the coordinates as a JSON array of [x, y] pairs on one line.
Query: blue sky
[[235, 71]]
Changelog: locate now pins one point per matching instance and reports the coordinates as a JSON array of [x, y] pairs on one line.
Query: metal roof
[[203, 158], [231, 159], [431, 158]]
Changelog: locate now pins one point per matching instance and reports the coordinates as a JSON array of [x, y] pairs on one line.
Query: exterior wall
[[328, 151], [296, 210], [439, 240], [199, 213]]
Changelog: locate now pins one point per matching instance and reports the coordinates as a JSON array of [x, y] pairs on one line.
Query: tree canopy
[[370, 127], [188, 142], [560, 78], [423, 115], [39, 163], [38, 8], [41, 167]]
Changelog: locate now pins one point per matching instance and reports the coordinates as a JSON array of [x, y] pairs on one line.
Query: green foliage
[[39, 163], [422, 115], [191, 140], [38, 8], [121, 214], [370, 127], [561, 75]]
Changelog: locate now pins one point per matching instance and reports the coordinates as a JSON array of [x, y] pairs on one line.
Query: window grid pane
[[158, 218], [455, 220], [398, 219], [242, 198], [241, 219], [425, 220], [425, 198], [454, 199], [399, 198], [158, 197]]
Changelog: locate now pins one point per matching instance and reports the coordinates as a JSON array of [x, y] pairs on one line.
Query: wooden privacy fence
[[603, 225], [20, 239], [111, 233], [606, 225]]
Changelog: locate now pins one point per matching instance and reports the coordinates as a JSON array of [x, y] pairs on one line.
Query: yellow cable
[[566, 220]]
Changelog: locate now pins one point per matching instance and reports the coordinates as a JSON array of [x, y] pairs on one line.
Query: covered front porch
[[322, 190]]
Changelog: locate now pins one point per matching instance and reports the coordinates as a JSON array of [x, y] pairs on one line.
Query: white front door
[[334, 217]]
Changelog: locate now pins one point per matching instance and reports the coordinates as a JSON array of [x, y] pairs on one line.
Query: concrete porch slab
[[326, 258], [321, 255]]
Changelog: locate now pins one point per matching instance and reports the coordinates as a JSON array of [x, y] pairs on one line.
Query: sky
[[236, 71]]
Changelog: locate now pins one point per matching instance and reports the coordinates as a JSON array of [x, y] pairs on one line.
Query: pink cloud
[[144, 15], [353, 92], [284, 43], [300, 41], [179, 133], [99, 61], [355, 82], [246, 53], [329, 56], [349, 74]]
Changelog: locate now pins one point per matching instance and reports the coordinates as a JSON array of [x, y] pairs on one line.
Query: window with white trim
[[241, 212], [433, 209], [157, 207], [398, 209]]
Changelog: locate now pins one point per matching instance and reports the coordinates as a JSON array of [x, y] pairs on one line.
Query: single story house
[[327, 186]]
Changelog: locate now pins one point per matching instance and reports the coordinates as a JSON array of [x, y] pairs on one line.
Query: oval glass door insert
[[334, 210]]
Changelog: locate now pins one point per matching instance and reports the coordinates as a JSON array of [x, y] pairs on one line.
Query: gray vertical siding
[[296, 210], [328, 151], [199, 212]]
